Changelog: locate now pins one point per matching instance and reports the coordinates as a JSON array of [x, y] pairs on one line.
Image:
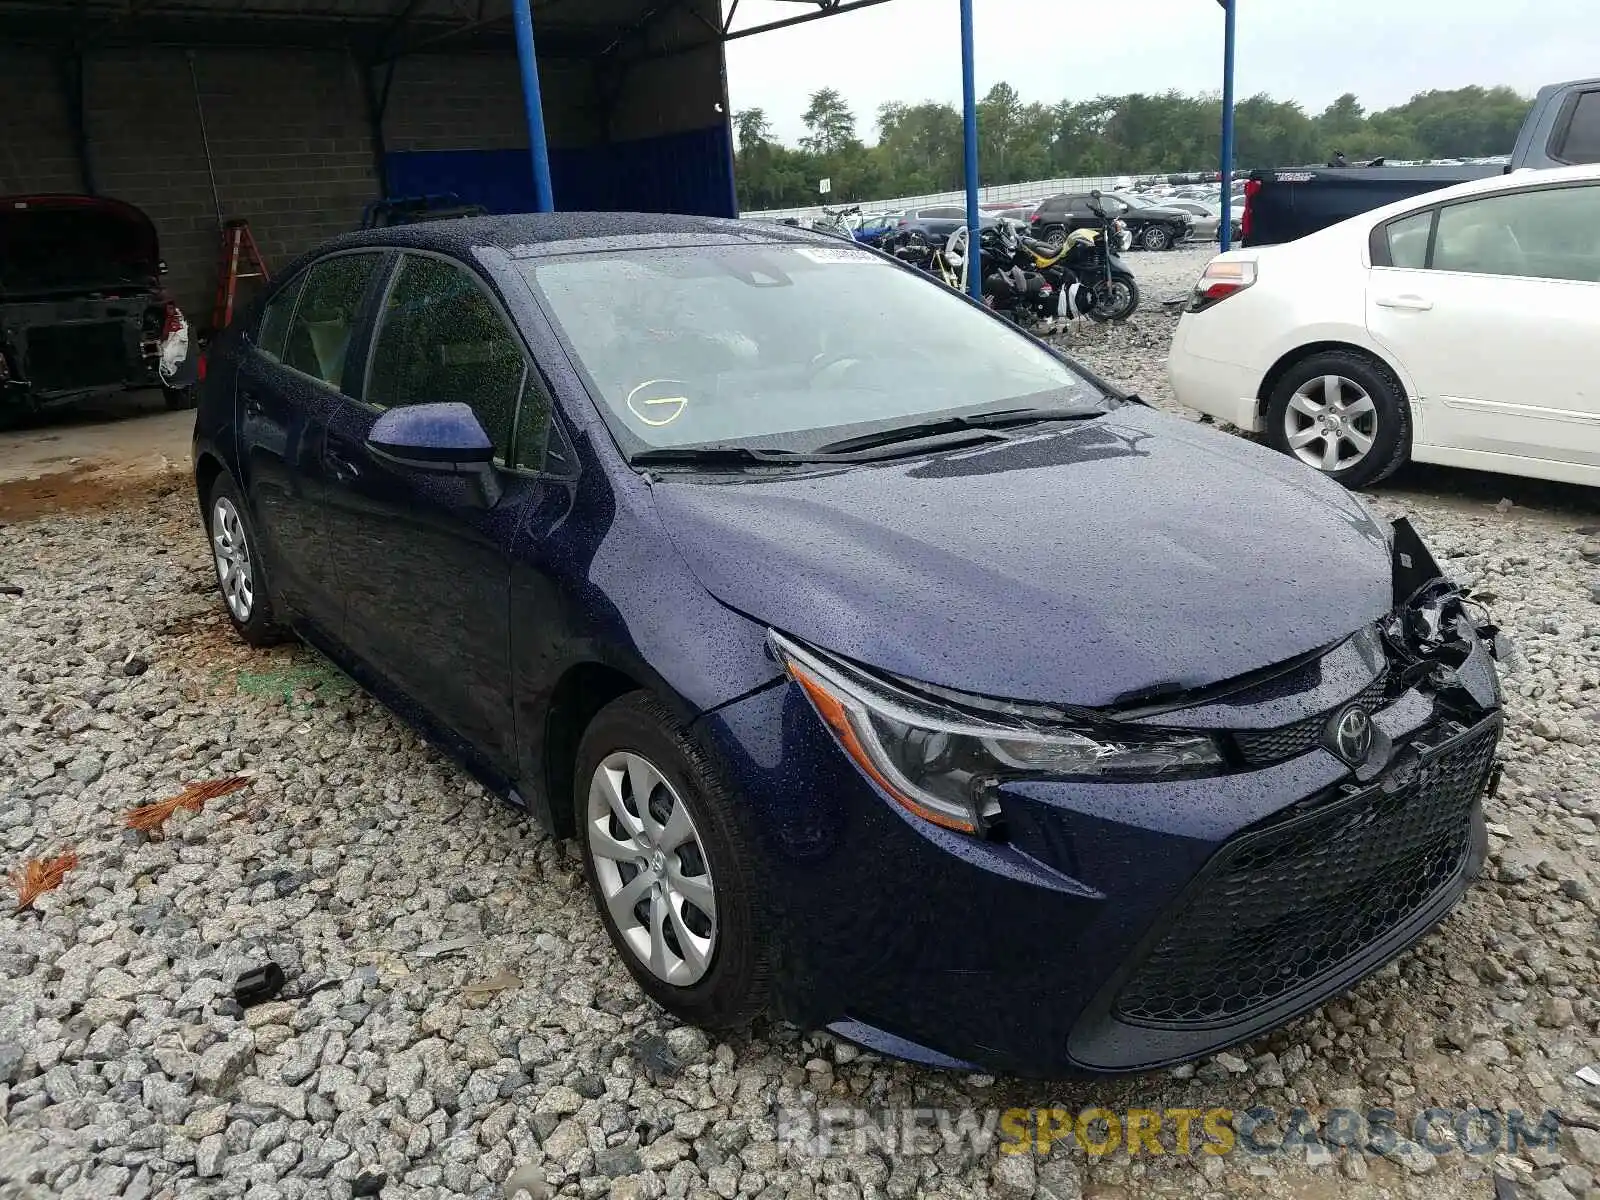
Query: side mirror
[[438, 439]]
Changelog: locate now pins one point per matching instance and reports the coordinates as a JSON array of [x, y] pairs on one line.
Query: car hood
[[64, 244], [1127, 557]]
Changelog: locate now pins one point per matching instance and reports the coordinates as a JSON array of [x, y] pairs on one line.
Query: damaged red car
[[82, 308]]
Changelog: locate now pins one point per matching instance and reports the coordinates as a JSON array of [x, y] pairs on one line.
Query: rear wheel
[[1343, 414], [241, 577], [1156, 237], [671, 872]]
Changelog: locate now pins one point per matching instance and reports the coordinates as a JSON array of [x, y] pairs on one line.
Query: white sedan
[[1459, 327]]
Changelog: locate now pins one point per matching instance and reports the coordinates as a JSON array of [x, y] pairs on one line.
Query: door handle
[[343, 469], [1408, 303], [252, 403], [336, 452]]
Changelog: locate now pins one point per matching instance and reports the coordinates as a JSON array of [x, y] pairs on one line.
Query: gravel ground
[[457, 1022]]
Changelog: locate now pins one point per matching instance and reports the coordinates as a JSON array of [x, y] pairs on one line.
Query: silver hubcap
[[655, 879], [233, 559], [1330, 423]]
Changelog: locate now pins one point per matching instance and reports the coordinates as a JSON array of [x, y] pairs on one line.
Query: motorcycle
[[835, 222], [1021, 294], [1091, 259]]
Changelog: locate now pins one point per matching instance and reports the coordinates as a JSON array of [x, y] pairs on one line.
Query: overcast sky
[[1307, 50]]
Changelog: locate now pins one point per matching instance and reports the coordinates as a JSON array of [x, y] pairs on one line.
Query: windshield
[[785, 346]]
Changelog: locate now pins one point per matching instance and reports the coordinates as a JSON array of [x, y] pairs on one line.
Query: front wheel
[[672, 874], [1116, 300], [1156, 237], [1343, 414]]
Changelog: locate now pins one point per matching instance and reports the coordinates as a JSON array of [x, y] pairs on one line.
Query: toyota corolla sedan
[[927, 689]]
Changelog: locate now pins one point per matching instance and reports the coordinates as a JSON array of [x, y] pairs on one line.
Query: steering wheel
[[659, 402]]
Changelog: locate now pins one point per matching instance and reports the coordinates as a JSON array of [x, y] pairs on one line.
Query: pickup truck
[[1288, 203]]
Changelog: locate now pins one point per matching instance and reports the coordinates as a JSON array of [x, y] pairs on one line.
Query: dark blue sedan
[[924, 688]]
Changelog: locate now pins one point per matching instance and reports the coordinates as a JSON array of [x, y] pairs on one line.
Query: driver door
[[425, 562]]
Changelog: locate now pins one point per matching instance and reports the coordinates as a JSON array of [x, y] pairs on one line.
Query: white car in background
[[1458, 327]]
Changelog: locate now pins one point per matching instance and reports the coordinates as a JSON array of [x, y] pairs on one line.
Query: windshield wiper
[[1006, 418], [719, 456]]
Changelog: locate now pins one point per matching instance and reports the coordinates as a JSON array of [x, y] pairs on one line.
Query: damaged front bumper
[[1302, 905], [1115, 925]]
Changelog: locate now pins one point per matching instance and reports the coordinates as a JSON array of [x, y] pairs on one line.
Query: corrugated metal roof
[[373, 28], [381, 29]]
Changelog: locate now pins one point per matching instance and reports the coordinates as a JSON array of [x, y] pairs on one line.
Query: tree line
[[918, 148]]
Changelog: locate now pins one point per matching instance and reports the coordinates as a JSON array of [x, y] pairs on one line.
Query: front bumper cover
[[1012, 952]]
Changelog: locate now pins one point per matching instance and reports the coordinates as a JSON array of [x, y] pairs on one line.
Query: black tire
[[1391, 440], [735, 988], [260, 627], [1104, 312], [179, 398], [1155, 238]]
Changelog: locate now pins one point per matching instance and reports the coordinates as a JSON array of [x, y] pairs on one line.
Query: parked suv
[[82, 309], [940, 222], [1153, 226]]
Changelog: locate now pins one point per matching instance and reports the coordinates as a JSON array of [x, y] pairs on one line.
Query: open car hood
[[64, 245], [1135, 556]]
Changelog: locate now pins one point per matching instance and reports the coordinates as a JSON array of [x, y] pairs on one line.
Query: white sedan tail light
[[1223, 277]]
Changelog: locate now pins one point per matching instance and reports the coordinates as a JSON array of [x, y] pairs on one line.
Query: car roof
[[528, 235]]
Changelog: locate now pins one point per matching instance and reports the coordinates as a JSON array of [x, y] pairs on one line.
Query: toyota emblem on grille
[[1352, 735]]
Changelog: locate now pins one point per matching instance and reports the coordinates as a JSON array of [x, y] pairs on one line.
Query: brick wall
[[36, 150], [289, 145], [288, 130], [441, 102], [289, 134]]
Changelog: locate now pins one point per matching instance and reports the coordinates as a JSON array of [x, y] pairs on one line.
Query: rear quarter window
[[1404, 241]]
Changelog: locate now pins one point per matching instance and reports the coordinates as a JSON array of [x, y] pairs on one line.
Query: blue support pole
[[1226, 233], [969, 118], [543, 194]]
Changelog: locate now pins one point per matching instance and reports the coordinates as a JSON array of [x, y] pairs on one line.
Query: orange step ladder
[[240, 260]]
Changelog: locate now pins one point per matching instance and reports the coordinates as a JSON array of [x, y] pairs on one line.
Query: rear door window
[[1553, 233], [324, 322], [274, 329]]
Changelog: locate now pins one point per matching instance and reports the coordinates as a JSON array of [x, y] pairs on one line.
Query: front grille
[[1261, 747], [1281, 906], [79, 355]]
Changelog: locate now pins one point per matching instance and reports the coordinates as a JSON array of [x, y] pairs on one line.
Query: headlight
[[942, 760]]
